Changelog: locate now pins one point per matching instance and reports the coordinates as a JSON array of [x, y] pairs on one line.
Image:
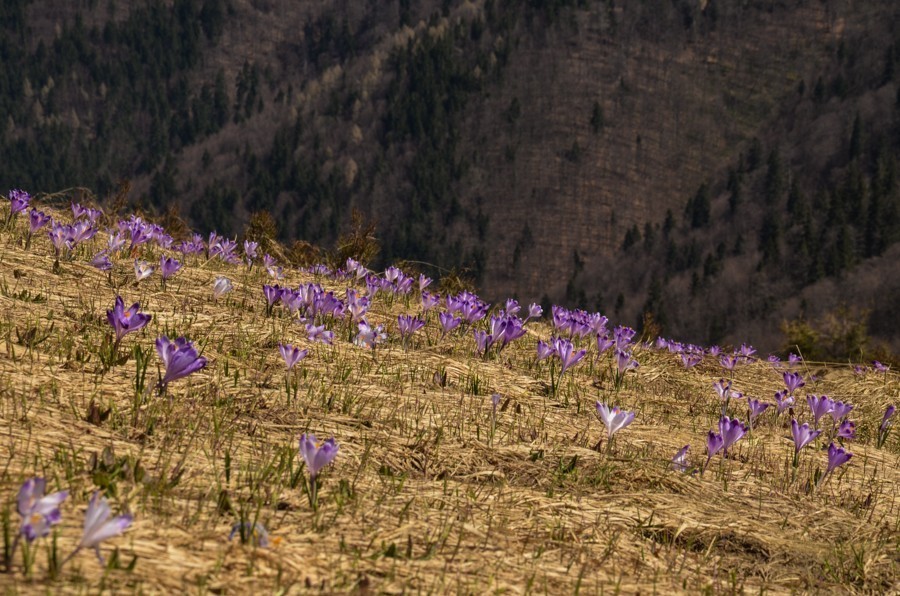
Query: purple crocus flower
[[483, 341], [756, 408], [714, 443], [783, 400], [101, 261], [544, 350], [317, 454], [369, 336], [847, 430], [424, 282], [614, 418], [691, 360], [291, 354], [142, 270], [534, 312], [624, 362], [567, 354], [728, 361], [840, 410], [180, 359], [448, 322], [18, 201], [879, 367], [803, 436], [250, 250], [747, 352], [604, 343], [272, 294], [495, 401], [429, 300], [98, 527], [793, 381], [124, 320], [714, 351], [723, 389], [168, 267], [319, 334], [819, 406], [408, 325], [837, 457], [680, 462], [253, 533], [731, 430], [37, 220], [61, 237], [38, 511]]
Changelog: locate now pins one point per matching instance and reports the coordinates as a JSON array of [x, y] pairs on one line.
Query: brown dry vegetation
[[423, 495]]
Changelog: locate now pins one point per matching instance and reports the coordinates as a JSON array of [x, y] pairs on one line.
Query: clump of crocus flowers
[[39, 512]]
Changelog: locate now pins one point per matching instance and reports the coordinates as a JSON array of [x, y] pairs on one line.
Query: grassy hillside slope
[[432, 488]]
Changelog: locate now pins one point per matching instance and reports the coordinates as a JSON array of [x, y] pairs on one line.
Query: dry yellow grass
[[423, 495]]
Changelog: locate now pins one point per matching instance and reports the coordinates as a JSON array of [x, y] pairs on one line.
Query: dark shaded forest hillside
[[728, 168]]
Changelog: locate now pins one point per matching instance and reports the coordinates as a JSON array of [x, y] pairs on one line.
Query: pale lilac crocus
[[614, 418], [253, 533], [819, 406], [142, 270], [424, 282], [319, 334], [369, 336], [221, 286], [98, 526], [317, 454], [180, 359], [680, 461], [291, 354], [38, 511], [534, 312], [879, 367]]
